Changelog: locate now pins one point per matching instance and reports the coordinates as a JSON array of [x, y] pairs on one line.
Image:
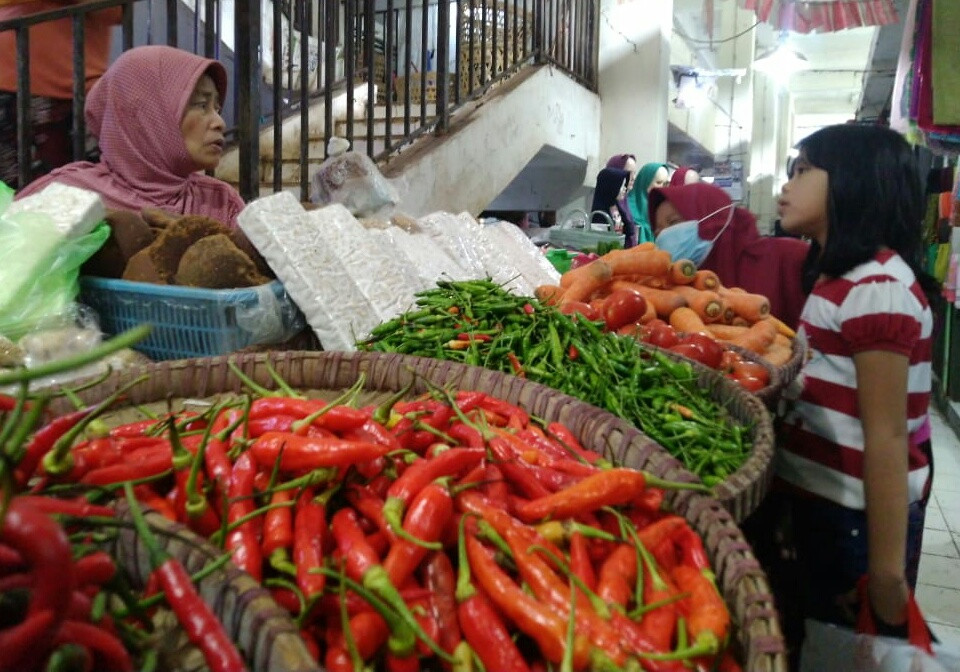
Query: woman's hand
[[888, 597]]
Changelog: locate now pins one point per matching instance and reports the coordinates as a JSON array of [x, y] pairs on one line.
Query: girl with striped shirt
[[854, 459]]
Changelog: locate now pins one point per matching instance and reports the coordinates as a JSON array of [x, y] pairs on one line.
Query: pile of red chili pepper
[[451, 530], [65, 605]]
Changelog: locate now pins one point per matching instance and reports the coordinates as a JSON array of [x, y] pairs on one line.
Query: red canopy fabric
[[823, 16]]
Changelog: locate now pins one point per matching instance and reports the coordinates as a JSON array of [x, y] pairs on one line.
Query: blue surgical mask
[[683, 241]]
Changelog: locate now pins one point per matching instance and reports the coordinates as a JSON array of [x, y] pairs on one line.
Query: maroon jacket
[[741, 257]]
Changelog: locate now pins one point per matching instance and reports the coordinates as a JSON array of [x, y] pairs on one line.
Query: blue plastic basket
[[191, 321]]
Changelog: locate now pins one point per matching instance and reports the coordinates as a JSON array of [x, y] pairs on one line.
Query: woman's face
[[666, 216], [630, 165], [660, 179], [802, 205], [202, 126]]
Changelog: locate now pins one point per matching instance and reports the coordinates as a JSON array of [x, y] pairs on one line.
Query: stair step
[[379, 128]]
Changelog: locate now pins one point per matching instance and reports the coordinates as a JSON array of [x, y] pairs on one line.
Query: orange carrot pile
[[688, 299]]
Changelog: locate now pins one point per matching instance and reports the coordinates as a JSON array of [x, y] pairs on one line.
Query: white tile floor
[[938, 588]]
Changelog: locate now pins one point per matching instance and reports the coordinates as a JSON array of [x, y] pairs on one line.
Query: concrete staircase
[[289, 155]]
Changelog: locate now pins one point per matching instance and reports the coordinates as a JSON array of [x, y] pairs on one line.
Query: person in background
[[156, 114], [854, 460], [684, 175], [699, 222], [608, 198], [627, 162], [51, 82], [651, 176]]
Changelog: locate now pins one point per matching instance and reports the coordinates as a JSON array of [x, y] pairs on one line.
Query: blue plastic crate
[[192, 321]]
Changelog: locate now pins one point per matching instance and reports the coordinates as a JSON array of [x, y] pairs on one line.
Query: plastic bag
[[353, 180], [829, 648], [39, 267]]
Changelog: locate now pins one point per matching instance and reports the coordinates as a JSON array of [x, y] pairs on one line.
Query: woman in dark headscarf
[[708, 228], [608, 197], [684, 175]]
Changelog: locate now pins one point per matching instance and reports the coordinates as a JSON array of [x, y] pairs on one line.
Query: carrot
[[706, 303], [651, 314], [657, 282], [758, 337], [686, 319], [638, 262], [739, 322], [782, 328], [749, 306], [777, 355], [574, 274], [726, 332], [704, 279], [586, 284], [664, 301], [682, 272], [549, 294], [728, 315]]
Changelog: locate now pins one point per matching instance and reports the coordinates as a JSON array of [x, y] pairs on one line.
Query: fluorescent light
[[781, 61]]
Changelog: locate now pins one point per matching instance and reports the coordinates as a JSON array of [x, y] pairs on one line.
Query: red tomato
[[747, 368], [634, 329], [729, 361], [623, 306], [691, 350], [661, 335], [579, 307], [712, 351], [750, 383]]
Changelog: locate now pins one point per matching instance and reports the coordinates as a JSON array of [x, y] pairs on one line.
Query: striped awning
[[823, 16]]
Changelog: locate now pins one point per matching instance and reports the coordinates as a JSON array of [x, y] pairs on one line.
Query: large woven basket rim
[[740, 577]]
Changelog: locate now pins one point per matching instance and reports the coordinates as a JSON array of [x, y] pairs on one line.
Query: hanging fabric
[[823, 16]]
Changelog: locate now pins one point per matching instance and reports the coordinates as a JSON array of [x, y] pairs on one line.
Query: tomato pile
[[443, 529]]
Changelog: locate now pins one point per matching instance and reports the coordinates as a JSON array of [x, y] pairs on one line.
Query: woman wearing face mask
[[651, 176], [699, 222], [608, 197], [156, 115]]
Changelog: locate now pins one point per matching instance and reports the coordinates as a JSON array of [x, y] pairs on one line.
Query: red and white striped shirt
[[878, 305]]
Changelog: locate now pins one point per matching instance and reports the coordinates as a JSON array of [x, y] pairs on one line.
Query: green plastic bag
[[39, 267]]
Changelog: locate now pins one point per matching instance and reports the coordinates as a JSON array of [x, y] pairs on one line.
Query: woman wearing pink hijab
[[156, 114]]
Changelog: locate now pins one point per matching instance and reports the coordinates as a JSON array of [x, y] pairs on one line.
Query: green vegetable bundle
[[477, 322]]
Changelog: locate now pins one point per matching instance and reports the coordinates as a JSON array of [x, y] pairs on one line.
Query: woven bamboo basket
[[262, 630], [325, 374]]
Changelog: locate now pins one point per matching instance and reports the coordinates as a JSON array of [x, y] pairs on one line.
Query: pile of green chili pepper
[[477, 322]]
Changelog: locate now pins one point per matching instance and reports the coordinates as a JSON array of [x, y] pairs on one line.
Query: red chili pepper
[[215, 454], [96, 568], [271, 406], [309, 535], [708, 620], [465, 336], [665, 554], [635, 640], [42, 543], [659, 624], [150, 498], [506, 409], [142, 463], [329, 604], [202, 626], [439, 578], [278, 524], [523, 480], [71, 507], [566, 437], [110, 652], [516, 366], [466, 435], [303, 453], [618, 576], [369, 505], [605, 488], [43, 441], [580, 562], [430, 512], [692, 552], [528, 308], [131, 429], [421, 473], [357, 554], [286, 598], [495, 487], [242, 540], [409, 663], [529, 615], [369, 632], [257, 427], [309, 641]]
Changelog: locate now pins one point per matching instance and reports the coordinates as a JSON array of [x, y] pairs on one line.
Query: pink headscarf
[[135, 110]]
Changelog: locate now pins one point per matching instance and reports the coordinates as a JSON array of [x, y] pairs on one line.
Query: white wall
[[468, 168], [634, 80]]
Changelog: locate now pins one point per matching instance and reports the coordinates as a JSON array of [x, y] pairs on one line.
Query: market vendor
[[156, 114], [706, 227]]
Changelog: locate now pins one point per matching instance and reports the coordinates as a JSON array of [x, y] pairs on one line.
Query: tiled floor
[[938, 590]]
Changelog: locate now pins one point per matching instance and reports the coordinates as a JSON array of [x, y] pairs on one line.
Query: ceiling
[[850, 72]]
